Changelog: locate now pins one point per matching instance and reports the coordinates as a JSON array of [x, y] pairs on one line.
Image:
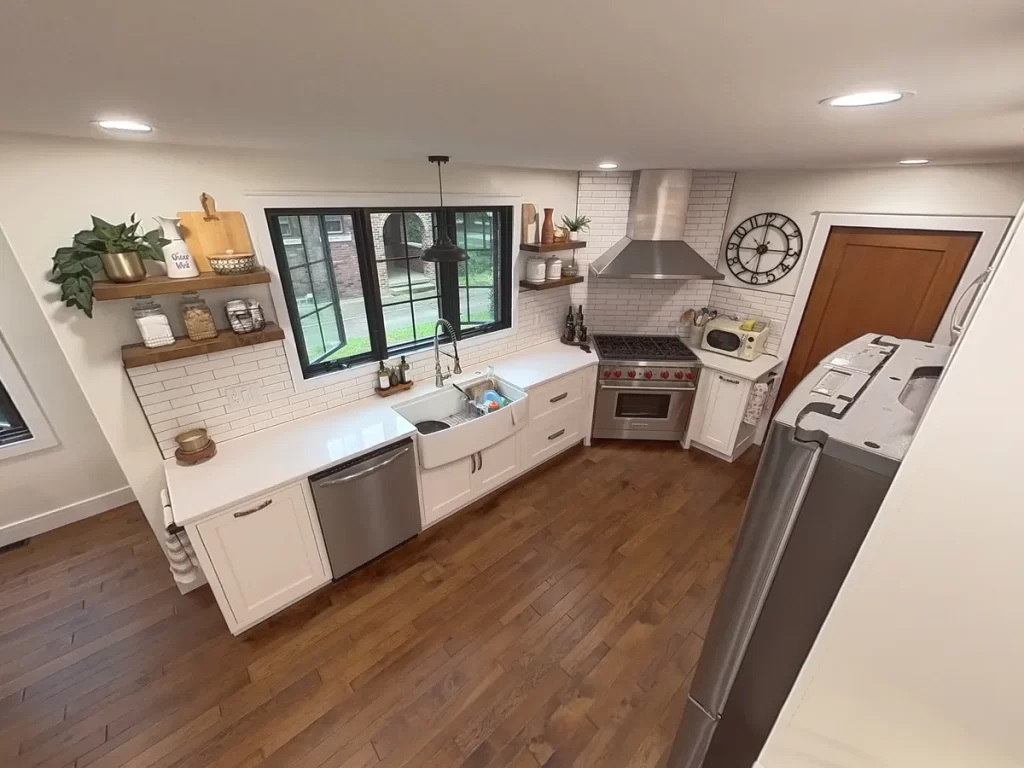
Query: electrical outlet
[[243, 396]]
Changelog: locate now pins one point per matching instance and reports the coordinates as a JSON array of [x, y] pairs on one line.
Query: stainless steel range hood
[[653, 248]]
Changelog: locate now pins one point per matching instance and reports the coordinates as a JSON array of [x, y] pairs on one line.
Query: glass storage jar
[[198, 318], [153, 323]]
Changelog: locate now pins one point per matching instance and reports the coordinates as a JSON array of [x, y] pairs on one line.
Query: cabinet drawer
[[556, 394], [552, 432]]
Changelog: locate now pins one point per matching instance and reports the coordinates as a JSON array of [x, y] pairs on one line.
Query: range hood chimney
[[653, 248]]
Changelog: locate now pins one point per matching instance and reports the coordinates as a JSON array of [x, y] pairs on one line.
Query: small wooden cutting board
[[213, 233]]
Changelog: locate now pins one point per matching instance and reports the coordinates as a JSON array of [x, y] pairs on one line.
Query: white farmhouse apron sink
[[464, 437]]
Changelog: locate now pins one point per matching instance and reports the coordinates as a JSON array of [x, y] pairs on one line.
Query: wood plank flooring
[[557, 624]]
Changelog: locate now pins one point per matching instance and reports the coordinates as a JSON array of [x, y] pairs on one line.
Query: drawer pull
[[562, 396], [257, 508], [729, 381], [557, 434]]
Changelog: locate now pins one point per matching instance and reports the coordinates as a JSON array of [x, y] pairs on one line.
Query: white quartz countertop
[[257, 463], [745, 369]]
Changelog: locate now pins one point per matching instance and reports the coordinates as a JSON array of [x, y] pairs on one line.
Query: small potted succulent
[[575, 225], [118, 248]]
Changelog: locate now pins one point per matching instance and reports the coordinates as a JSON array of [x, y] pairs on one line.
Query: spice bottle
[[198, 317], [383, 377], [153, 323]]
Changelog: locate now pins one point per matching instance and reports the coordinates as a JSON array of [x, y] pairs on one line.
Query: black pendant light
[[443, 251]]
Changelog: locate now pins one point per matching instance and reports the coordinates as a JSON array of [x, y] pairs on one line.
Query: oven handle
[[689, 388]]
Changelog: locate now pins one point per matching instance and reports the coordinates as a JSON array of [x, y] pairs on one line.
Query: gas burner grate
[[643, 348]]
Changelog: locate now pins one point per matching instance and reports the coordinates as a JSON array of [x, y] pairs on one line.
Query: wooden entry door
[[888, 281]]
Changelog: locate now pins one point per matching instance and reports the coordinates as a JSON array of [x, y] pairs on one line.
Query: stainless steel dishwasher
[[368, 505]]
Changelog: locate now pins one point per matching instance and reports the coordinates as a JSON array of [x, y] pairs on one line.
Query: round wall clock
[[764, 248]]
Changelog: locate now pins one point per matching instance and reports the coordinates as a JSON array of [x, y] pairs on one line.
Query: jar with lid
[[153, 323], [535, 269], [198, 318], [553, 268]]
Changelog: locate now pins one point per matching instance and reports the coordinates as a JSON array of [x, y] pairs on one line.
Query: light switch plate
[[243, 396]]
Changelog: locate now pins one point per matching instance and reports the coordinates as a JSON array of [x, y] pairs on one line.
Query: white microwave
[[727, 337]]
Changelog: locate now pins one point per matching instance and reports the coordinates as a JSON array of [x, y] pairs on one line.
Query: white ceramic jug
[[176, 254]]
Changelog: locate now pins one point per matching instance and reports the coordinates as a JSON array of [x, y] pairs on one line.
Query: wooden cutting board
[[528, 224], [212, 233]]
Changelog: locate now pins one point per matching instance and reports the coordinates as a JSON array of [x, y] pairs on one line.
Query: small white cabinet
[[455, 484], [262, 555], [716, 424]]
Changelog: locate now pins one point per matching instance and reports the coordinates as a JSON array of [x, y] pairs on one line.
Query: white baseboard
[[72, 513]]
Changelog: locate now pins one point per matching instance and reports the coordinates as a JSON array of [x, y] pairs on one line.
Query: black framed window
[[359, 290], [12, 426]]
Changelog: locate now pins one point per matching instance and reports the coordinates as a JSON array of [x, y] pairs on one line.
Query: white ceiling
[[676, 83]]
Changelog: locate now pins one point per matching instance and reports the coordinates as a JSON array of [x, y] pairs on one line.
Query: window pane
[[398, 324], [482, 307], [325, 286], [425, 313], [481, 267], [12, 426]]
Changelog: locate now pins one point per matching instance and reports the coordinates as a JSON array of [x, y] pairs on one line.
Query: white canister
[[535, 269], [178, 260], [554, 268]]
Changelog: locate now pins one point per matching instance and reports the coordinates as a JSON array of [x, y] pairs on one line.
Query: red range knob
[[618, 374], [648, 375], [664, 374], [632, 374], [679, 374], [691, 376], [607, 374]]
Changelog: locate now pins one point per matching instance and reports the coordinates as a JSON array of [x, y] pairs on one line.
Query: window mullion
[[367, 258], [449, 281]]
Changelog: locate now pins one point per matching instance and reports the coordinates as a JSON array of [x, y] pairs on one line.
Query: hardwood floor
[[558, 625]]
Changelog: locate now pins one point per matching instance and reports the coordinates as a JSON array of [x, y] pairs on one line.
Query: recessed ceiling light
[[915, 161], [607, 166], [124, 125], [866, 99]]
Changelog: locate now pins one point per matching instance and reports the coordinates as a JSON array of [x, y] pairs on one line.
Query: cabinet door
[[496, 465], [446, 488], [726, 397], [265, 554]]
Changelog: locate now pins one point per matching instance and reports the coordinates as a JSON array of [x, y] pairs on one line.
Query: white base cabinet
[[716, 424], [263, 555], [455, 484]]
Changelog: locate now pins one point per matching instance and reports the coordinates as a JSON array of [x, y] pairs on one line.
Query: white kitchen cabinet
[[455, 484], [262, 555], [716, 424], [446, 488]]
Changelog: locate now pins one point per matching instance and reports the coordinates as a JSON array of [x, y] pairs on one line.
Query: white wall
[[79, 476], [51, 186], [920, 661]]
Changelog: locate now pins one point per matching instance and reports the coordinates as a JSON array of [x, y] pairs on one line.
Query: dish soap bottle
[[383, 378], [403, 371]]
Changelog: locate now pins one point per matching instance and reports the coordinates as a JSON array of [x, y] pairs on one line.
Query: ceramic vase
[[547, 231], [177, 257]]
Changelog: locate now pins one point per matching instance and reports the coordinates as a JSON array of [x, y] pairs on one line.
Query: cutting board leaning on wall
[[210, 232]]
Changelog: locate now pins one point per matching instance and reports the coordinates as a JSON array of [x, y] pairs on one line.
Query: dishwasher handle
[[361, 473]]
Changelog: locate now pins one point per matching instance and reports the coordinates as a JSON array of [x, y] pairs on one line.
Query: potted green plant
[[119, 249], [575, 225]]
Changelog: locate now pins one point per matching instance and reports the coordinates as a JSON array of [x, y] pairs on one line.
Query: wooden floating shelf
[[137, 355], [548, 284], [551, 247], [161, 285]]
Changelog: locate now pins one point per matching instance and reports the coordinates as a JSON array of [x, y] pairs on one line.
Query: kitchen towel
[[759, 394], [184, 565]]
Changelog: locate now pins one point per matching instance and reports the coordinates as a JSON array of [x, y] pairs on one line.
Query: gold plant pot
[[124, 267]]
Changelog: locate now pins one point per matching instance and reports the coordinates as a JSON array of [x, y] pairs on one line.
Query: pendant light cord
[[440, 187]]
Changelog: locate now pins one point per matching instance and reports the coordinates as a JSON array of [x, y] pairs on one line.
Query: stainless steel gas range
[[645, 387]]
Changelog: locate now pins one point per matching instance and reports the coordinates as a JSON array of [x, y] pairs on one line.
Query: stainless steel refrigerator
[[830, 456]]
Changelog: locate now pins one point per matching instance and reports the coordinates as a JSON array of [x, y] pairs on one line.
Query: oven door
[[641, 411]]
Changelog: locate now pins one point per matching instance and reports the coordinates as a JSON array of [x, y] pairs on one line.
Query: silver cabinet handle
[[728, 381], [559, 433], [562, 396], [480, 460], [357, 475], [473, 470], [257, 508]]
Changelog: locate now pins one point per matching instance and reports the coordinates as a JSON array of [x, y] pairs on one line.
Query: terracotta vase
[[547, 231]]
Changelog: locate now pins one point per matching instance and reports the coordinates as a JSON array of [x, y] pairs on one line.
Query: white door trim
[[992, 229]]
